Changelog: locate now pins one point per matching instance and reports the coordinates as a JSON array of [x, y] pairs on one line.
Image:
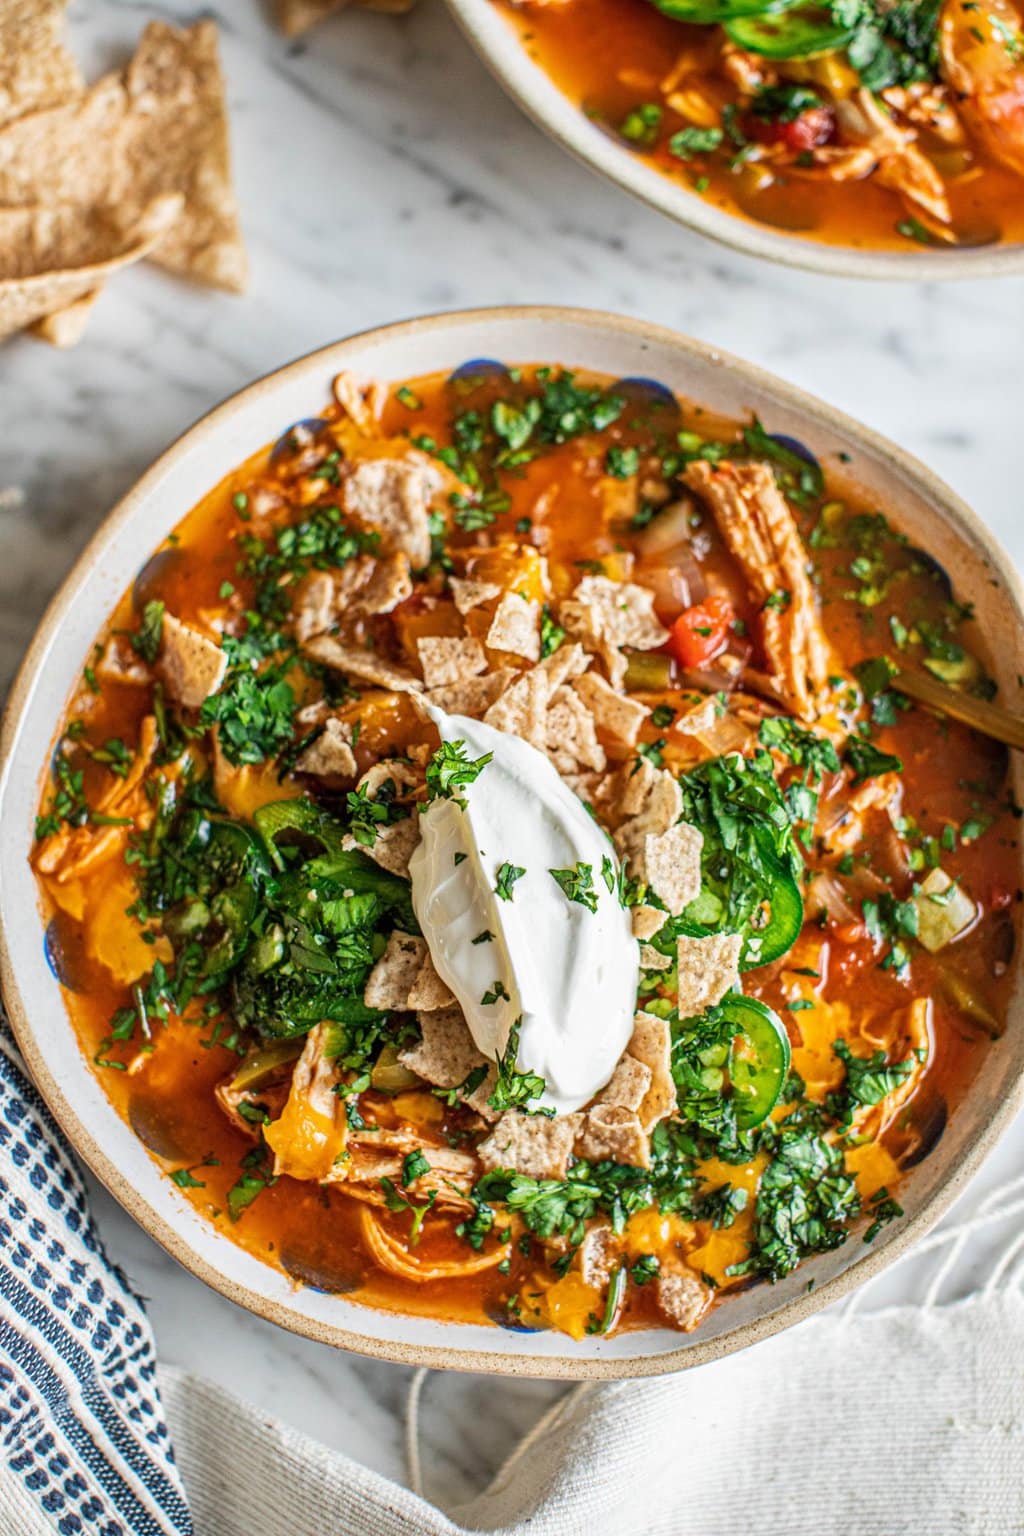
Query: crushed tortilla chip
[[521, 710], [647, 921], [394, 976], [612, 1132], [682, 1298], [599, 1253], [651, 1043], [393, 846], [516, 627], [620, 717], [449, 659], [365, 665], [568, 661], [571, 738], [708, 969], [446, 1054], [473, 696], [628, 1085], [536, 1145], [191, 665], [428, 990], [392, 497], [671, 865], [653, 959], [468, 594], [331, 755]]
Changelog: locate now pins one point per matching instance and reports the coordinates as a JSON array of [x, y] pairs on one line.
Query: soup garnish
[[492, 867], [881, 126]]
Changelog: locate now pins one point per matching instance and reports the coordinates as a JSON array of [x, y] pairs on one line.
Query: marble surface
[[383, 174]]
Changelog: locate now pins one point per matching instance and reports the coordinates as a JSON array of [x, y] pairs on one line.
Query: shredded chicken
[[762, 535]]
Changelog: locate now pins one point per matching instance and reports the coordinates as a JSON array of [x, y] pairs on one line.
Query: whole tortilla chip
[[159, 128], [613, 1133], [49, 263], [36, 70], [708, 968]]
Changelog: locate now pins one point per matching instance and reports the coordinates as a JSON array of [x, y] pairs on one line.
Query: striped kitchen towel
[[85, 1445]]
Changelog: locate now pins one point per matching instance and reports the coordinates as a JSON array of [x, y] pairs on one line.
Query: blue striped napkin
[[85, 1445]]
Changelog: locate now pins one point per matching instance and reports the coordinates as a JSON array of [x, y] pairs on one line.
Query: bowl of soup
[[507, 860], [865, 139]]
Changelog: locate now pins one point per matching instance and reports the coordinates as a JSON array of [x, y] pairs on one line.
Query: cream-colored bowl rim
[[495, 40], [333, 358]]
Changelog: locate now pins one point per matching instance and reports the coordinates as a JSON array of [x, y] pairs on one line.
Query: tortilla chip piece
[[474, 695], [708, 969], [177, 140], [393, 846], [569, 661], [653, 959], [391, 496], [66, 327], [612, 1133], [362, 401], [449, 659], [536, 1145], [192, 666], [613, 712], [50, 259], [647, 921], [364, 665], [571, 737], [599, 1253], [521, 710], [468, 594], [394, 976], [628, 1085], [671, 863], [428, 990], [651, 1043], [682, 1298], [516, 627], [446, 1054], [36, 70], [159, 128], [331, 755], [608, 615]]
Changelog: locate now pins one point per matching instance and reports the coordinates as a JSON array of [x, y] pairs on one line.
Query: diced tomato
[[702, 632], [807, 131]]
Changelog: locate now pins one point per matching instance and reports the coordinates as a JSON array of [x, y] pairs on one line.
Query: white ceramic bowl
[[495, 39], [921, 505]]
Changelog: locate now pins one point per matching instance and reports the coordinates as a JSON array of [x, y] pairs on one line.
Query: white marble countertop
[[383, 174]]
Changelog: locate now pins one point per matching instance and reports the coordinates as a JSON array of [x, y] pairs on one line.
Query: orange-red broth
[[312, 1232]]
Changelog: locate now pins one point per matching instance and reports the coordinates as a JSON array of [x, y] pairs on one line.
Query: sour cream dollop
[[570, 974]]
